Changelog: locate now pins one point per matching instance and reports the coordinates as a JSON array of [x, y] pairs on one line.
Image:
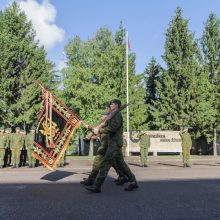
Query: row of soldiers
[[15, 147]]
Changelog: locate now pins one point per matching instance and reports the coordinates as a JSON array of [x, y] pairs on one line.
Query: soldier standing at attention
[[16, 143], [23, 154], [61, 162], [2, 147], [186, 145], [144, 146], [29, 145], [113, 155], [8, 149]]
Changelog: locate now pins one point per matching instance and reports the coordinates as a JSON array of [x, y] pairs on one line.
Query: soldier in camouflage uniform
[[186, 145], [100, 157], [29, 145], [61, 162], [7, 158], [144, 146], [113, 154], [2, 146], [16, 144], [23, 154]]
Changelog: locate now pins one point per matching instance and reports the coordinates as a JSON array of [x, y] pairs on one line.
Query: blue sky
[[145, 20]]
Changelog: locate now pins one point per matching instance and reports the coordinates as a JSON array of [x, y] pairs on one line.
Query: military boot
[[132, 186], [187, 165], [87, 182], [96, 188], [121, 181], [184, 165]]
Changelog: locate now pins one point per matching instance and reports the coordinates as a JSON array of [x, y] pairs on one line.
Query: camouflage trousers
[[186, 154], [31, 159], [97, 165], [113, 157], [62, 160], [15, 156], [2, 156], [144, 155]]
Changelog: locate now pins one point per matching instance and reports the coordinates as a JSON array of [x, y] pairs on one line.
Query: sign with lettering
[[161, 141]]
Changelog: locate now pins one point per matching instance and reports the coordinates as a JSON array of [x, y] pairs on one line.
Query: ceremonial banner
[[55, 127]]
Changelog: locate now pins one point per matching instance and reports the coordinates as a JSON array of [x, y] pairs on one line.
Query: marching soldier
[[16, 144], [113, 155], [100, 157], [30, 148], [2, 146], [186, 145], [144, 146]]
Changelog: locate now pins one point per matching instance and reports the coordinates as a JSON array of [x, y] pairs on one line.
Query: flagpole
[[127, 96]]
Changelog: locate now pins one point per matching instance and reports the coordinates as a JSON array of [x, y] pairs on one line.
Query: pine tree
[[21, 63]]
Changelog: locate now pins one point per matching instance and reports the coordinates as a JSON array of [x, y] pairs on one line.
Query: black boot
[[184, 165], [121, 181], [87, 182], [132, 186], [187, 165], [96, 188]]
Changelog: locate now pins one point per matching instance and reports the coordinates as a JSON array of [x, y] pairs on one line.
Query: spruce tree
[[151, 76], [178, 83], [211, 49], [22, 62]]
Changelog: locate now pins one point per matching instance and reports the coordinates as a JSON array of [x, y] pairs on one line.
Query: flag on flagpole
[[55, 126], [129, 45]]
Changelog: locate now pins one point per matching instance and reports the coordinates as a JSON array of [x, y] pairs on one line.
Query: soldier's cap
[[17, 128], [116, 101]]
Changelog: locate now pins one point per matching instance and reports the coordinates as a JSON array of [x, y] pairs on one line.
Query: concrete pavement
[[167, 191]]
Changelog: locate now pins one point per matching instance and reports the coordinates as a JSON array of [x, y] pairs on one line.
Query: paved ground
[[167, 191]]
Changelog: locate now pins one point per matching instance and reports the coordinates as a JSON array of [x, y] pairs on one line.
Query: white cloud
[[43, 20]]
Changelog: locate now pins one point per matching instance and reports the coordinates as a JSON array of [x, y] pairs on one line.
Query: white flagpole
[[127, 95]]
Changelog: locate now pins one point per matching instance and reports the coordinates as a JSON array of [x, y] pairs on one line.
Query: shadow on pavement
[[169, 164], [57, 175], [134, 164], [154, 200], [206, 164]]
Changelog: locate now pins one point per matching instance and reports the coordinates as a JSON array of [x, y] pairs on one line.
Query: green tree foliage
[[211, 49], [96, 73], [151, 77], [183, 84], [22, 62]]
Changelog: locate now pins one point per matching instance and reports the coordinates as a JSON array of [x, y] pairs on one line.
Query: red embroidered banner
[[55, 126]]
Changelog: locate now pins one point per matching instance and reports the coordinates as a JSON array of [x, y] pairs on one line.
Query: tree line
[[184, 90]]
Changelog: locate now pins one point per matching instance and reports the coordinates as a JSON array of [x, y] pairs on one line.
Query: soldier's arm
[[113, 125]]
